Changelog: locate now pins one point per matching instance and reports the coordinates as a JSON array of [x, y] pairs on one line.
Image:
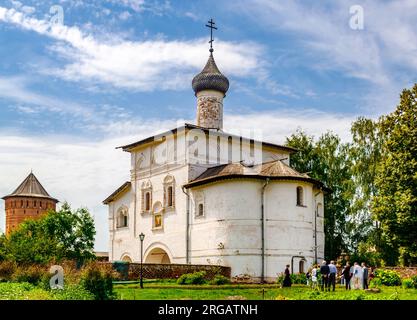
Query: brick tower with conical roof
[[29, 201]]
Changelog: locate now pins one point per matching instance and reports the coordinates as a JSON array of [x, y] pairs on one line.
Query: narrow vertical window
[[147, 201], [300, 200], [200, 209], [170, 196], [229, 150]]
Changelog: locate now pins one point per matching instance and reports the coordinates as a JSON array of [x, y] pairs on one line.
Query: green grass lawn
[[171, 291], [26, 291]]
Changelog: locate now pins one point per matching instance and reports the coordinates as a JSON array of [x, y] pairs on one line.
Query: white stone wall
[[229, 233]]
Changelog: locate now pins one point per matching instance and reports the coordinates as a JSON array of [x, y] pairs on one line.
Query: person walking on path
[[365, 272], [332, 275], [324, 271], [287, 277], [347, 275]]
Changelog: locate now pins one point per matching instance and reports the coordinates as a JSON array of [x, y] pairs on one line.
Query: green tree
[[395, 205], [59, 235], [365, 151], [327, 160]]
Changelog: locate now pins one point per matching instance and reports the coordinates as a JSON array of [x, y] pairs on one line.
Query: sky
[[79, 78]]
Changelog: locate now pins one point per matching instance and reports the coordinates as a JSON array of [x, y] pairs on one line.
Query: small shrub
[[30, 274], [7, 268], [220, 280], [193, 278], [296, 278], [407, 283], [375, 283], [98, 280], [410, 283], [388, 277]]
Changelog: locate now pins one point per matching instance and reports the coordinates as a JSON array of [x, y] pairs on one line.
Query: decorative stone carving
[[210, 111]]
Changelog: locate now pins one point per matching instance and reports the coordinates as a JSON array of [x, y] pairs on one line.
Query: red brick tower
[[29, 201]]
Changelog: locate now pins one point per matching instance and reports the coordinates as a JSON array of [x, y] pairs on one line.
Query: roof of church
[[188, 126], [125, 186], [274, 170], [30, 187], [210, 78]]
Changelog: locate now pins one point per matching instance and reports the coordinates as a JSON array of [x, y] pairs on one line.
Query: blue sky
[[117, 71]]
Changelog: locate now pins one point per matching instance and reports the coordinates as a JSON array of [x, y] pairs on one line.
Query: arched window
[[40, 204], [122, 218], [21, 203], [300, 199], [147, 201], [146, 198], [169, 192], [34, 204], [199, 204], [320, 212]]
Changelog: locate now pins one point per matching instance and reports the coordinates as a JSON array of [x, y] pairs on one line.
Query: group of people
[[356, 276]]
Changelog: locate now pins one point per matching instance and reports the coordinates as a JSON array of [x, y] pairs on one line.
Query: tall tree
[[328, 160], [395, 205], [365, 153]]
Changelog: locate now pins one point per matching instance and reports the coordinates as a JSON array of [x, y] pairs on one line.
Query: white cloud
[[135, 5], [384, 53], [125, 15], [276, 126], [144, 66], [14, 88]]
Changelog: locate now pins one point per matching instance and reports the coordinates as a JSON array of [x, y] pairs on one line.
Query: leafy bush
[[410, 283], [219, 280], [98, 280], [193, 278], [388, 277], [296, 278], [7, 268], [31, 274], [375, 283]]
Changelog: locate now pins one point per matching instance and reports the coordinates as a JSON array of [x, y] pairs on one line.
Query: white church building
[[203, 196]]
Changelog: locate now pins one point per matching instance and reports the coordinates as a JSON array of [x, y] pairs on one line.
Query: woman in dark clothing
[[287, 278], [347, 275]]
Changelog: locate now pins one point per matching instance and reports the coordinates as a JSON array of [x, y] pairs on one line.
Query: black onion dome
[[210, 78]]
